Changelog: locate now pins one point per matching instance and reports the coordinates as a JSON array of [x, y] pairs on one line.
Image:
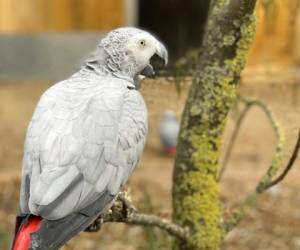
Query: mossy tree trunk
[[229, 33]]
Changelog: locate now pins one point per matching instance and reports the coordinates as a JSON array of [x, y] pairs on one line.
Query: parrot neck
[[104, 70], [109, 60]]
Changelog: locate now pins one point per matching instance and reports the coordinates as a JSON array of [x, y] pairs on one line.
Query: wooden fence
[[60, 15]]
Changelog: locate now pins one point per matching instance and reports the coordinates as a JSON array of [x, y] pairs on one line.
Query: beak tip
[[163, 53]]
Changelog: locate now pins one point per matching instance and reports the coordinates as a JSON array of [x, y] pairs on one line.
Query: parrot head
[[128, 53]]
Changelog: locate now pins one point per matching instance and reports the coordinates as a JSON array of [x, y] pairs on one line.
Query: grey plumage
[[86, 136], [54, 233], [97, 131]]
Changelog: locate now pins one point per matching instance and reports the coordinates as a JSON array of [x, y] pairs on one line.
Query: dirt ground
[[273, 225]]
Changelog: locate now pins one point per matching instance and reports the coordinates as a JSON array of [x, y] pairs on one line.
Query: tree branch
[[280, 137], [263, 185], [124, 212], [288, 166], [229, 33], [277, 158], [232, 139]]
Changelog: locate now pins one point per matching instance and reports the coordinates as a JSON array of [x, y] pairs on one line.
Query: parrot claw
[[95, 226], [127, 205]]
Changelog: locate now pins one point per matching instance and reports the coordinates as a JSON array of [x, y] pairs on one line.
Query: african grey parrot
[[168, 132], [84, 140]]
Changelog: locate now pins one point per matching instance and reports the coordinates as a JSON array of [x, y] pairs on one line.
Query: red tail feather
[[22, 239]]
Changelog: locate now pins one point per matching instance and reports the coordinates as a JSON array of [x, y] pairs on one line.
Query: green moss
[[229, 40], [207, 213], [196, 190]]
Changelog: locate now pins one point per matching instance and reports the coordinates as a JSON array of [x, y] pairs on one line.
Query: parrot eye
[[142, 43]]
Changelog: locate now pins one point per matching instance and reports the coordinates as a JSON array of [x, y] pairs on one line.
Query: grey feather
[[82, 139], [53, 233]]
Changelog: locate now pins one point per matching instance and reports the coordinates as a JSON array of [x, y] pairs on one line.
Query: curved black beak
[[148, 71], [156, 63]]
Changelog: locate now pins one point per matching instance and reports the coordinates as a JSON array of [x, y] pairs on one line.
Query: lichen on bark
[[229, 33]]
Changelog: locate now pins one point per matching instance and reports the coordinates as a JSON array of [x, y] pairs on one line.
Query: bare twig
[[277, 158], [288, 166], [124, 212], [266, 180], [232, 139], [149, 220], [251, 199], [280, 137]]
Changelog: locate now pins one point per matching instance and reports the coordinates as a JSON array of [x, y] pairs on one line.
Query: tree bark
[[229, 32]]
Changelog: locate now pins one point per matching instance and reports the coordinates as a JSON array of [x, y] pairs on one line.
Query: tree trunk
[[229, 33]]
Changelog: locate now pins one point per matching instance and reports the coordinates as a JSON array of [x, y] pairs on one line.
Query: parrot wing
[[83, 142]]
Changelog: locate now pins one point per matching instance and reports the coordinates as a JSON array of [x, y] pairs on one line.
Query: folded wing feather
[[80, 144]]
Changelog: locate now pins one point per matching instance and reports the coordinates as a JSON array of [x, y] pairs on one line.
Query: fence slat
[[60, 15]]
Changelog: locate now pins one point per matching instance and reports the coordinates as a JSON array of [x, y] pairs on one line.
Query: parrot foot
[[127, 204], [95, 226]]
